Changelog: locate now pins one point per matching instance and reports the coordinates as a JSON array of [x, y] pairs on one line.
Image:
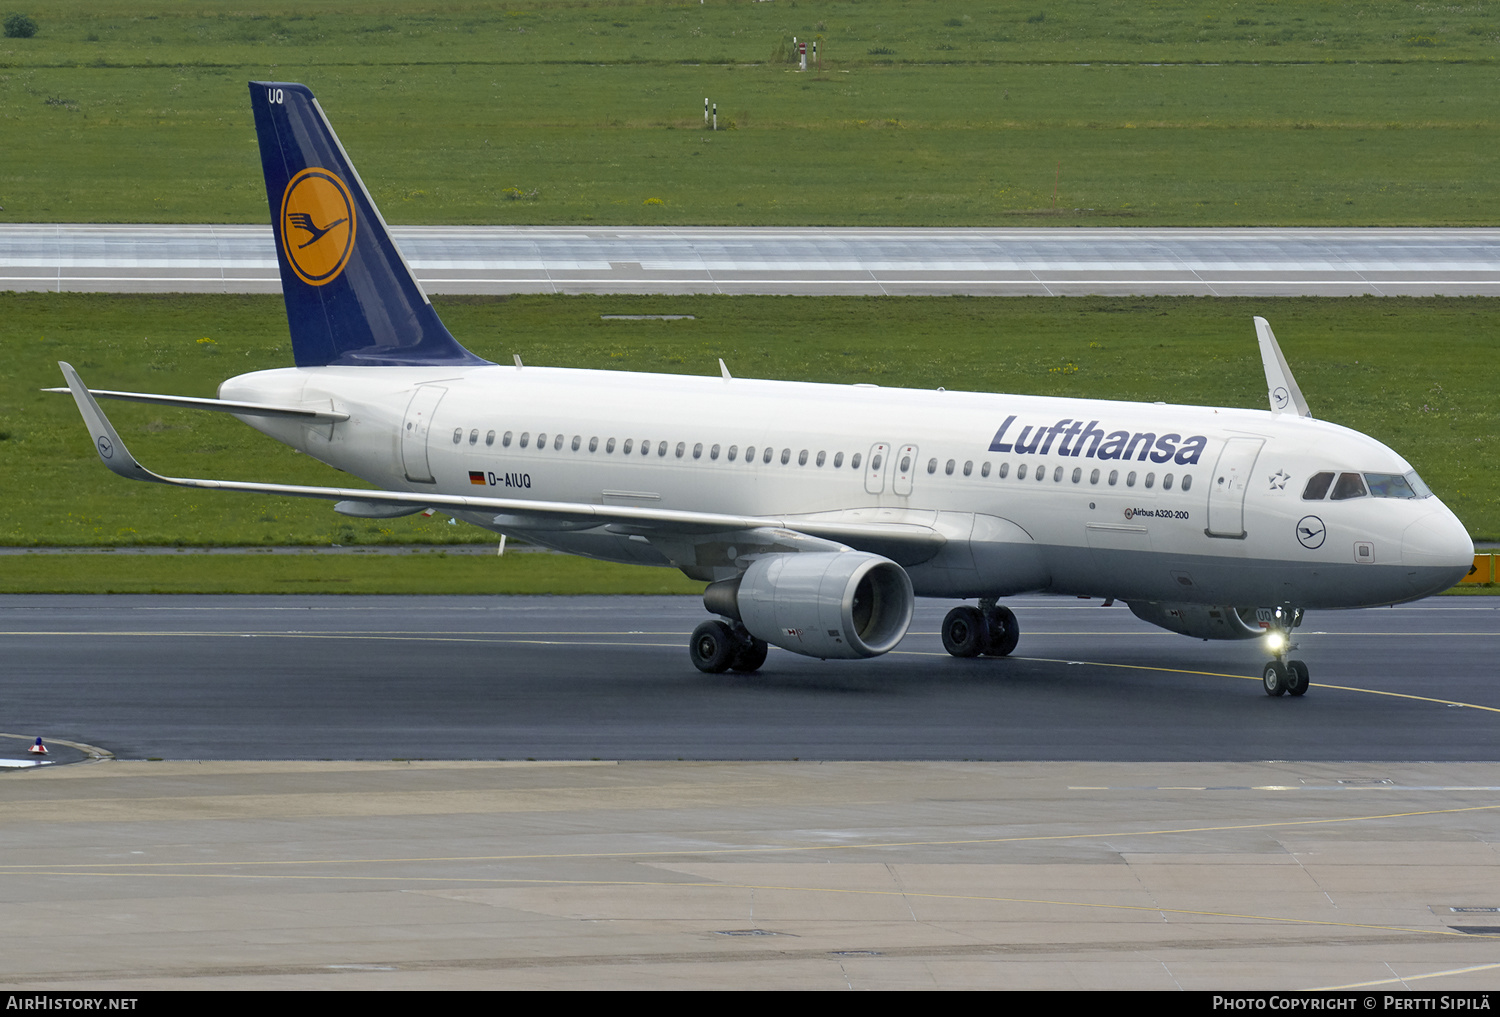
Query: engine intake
[[836, 604]]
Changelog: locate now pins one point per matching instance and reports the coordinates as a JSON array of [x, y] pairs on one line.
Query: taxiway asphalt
[[1291, 847], [862, 261], [307, 677]]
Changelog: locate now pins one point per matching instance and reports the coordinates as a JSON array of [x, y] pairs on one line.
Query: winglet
[[1281, 387], [724, 370], [112, 451]]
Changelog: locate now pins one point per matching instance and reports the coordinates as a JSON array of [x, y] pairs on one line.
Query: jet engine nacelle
[[1198, 620], [839, 604]]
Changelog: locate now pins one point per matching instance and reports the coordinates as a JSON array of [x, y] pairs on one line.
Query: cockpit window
[[1391, 485], [1350, 485], [1421, 489], [1317, 487]]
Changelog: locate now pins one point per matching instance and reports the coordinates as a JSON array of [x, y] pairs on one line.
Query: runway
[[979, 262], [333, 677]]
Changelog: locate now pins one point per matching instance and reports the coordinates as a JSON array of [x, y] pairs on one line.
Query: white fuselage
[[1069, 495]]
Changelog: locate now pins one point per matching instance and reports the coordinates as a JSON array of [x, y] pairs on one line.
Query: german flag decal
[[475, 477]]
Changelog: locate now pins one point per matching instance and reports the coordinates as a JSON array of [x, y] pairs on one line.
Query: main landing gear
[[988, 629], [1282, 676], [717, 646]]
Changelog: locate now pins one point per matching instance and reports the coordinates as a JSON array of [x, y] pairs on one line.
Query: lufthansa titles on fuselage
[[1075, 438]]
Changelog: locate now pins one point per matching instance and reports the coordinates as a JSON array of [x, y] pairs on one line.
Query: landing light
[[1275, 641]]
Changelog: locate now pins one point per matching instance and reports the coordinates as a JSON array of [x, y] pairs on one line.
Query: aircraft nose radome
[[1438, 542]]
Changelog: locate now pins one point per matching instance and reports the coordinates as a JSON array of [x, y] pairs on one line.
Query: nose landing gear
[[1282, 676]]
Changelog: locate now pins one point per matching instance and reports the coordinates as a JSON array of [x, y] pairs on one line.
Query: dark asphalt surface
[[305, 677]]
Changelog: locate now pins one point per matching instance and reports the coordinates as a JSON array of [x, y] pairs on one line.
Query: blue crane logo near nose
[[1311, 532]]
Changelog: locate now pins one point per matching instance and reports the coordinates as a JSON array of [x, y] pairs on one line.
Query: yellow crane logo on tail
[[317, 225]]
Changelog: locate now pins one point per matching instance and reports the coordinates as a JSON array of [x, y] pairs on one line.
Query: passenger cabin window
[[853, 461], [577, 442], [1317, 487], [505, 441], [489, 439], [474, 437], [458, 435], [1350, 485], [838, 460]]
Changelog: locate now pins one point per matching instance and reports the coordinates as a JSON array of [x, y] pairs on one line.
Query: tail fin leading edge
[[350, 297]]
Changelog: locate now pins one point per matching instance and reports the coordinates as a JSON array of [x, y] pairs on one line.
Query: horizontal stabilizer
[[1281, 387], [217, 405]]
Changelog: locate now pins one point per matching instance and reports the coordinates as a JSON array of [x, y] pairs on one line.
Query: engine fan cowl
[[834, 604]]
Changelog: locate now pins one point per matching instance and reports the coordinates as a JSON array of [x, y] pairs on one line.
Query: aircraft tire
[[1297, 677], [1274, 678], [750, 655], [965, 633], [712, 647], [1005, 632]]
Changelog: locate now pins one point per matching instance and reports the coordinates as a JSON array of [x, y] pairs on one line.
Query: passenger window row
[[768, 454], [1059, 472], [662, 448]]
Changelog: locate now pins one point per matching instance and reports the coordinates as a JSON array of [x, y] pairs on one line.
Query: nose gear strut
[[1281, 675]]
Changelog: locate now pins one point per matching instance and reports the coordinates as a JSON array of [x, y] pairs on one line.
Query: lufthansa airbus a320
[[815, 513]]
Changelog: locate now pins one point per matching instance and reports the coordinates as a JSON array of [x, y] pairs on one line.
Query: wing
[[906, 543]]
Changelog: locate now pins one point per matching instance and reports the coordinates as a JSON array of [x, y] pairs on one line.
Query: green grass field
[[1402, 370], [923, 114]]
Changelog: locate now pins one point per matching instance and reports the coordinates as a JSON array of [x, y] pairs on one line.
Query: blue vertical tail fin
[[350, 297]]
